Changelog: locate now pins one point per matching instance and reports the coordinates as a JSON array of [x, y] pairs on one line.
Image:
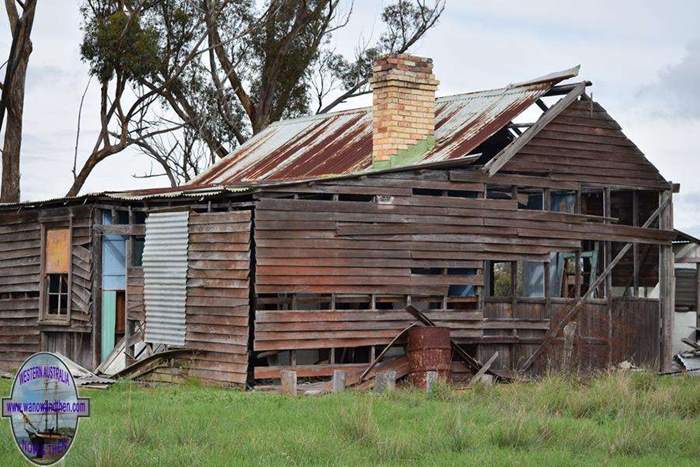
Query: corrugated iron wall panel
[[165, 277]]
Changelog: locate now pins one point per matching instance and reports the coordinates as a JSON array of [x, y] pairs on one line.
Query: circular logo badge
[[44, 408]]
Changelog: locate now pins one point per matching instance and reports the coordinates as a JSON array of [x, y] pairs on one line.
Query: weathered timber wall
[[278, 330], [82, 267], [20, 239], [20, 282], [218, 296], [625, 330], [134, 294], [635, 331], [375, 236], [585, 144]]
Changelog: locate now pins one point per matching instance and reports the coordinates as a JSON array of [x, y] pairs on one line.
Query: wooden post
[[666, 287], [339, 377], [607, 286], [289, 382], [385, 381], [431, 379], [567, 356], [635, 246], [579, 275]]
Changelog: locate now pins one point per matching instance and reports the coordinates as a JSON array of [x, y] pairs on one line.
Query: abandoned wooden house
[[506, 214]]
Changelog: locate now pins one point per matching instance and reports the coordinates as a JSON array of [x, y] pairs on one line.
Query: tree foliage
[[218, 71]]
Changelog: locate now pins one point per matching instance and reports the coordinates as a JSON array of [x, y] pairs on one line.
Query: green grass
[[615, 419]]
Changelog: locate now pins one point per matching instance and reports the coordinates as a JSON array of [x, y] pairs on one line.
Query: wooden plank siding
[[217, 309], [20, 283], [134, 293], [585, 144], [374, 235], [82, 267], [278, 330]]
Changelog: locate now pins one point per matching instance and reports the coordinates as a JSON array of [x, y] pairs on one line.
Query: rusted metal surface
[[428, 349], [341, 142]]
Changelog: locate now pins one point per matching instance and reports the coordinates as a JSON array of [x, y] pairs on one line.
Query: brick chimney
[[403, 90]]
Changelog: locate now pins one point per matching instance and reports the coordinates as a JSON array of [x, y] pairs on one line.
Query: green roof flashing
[[408, 156]]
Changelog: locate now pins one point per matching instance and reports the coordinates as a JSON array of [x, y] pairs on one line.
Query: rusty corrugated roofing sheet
[[341, 142]]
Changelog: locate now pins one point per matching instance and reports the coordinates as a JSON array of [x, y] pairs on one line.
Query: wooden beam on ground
[[388, 346], [471, 362], [507, 153], [483, 370], [555, 328]]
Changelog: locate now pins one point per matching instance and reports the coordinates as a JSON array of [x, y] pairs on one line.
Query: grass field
[[619, 419]]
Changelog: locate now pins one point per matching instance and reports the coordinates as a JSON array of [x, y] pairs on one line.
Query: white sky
[[643, 58]]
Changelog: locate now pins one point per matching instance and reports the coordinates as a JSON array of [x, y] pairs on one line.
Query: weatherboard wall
[[330, 242]]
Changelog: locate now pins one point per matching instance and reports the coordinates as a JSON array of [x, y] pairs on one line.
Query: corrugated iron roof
[[340, 143]]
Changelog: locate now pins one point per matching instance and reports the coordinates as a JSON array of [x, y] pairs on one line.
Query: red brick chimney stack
[[403, 89]]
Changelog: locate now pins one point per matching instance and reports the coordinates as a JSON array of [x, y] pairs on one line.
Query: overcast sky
[[643, 58]]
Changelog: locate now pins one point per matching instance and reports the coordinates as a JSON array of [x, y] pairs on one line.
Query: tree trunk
[[15, 107]]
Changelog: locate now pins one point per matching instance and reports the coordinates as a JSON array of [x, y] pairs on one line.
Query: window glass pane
[[461, 290], [563, 201], [530, 279]]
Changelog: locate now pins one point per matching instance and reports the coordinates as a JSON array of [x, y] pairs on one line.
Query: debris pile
[[689, 360]]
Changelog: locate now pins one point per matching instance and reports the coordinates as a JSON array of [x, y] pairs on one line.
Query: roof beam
[[507, 153], [564, 88]]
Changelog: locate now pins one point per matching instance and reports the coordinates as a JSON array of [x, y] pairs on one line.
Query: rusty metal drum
[[428, 349]]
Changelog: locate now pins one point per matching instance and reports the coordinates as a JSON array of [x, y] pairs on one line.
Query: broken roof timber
[[507, 153]]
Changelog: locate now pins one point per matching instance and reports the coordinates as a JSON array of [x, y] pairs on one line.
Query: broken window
[[591, 266], [56, 268], [562, 201], [137, 251], [500, 277], [461, 290], [531, 198], [621, 206], [562, 274], [499, 192], [57, 295], [592, 202], [530, 279]]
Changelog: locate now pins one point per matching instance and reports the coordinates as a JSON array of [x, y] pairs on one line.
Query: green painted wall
[[109, 321]]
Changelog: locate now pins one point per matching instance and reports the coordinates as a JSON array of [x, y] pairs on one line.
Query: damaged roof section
[[340, 143]]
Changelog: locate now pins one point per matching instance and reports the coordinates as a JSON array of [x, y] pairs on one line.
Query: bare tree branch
[[77, 133]]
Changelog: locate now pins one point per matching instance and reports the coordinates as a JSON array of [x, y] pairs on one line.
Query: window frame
[[44, 316]]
